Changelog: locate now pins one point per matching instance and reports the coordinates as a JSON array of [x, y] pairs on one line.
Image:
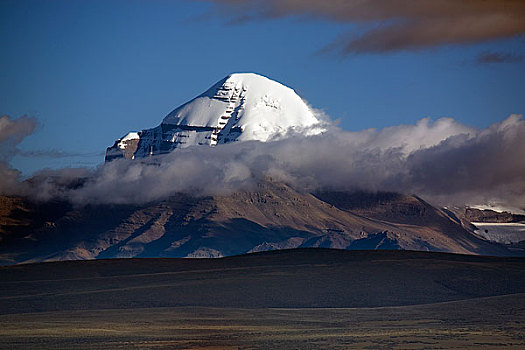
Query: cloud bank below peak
[[397, 25], [442, 161]]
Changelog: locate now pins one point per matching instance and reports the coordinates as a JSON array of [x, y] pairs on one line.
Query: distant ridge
[[287, 278]]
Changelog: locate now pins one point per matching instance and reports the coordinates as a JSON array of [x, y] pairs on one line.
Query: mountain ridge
[[273, 216], [353, 279]]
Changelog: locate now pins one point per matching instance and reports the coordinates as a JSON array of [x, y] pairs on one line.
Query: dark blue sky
[[90, 71]]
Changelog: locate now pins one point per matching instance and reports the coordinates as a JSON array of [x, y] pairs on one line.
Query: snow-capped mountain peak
[[240, 107]]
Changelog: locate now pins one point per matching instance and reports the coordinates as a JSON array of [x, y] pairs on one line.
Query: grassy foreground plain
[[484, 323], [296, 299]]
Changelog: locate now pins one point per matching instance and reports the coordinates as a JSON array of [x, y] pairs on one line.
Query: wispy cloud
[[12, 132], [396, 25], [57, 154], [499, 57]]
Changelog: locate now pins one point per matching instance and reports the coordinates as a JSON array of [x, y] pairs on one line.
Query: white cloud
[[443, 161]]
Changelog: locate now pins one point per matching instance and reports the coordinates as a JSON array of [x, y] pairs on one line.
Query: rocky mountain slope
[[274, 216]]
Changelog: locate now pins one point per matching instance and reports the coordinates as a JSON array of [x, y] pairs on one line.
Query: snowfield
[[501, 232], [240, 107]]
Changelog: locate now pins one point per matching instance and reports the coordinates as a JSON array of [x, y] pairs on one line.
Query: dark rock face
[[389, 206], [274, 216], [122, 149], [477, 215]]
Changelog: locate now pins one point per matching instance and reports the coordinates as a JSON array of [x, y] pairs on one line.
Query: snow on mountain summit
[[240, 107]]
